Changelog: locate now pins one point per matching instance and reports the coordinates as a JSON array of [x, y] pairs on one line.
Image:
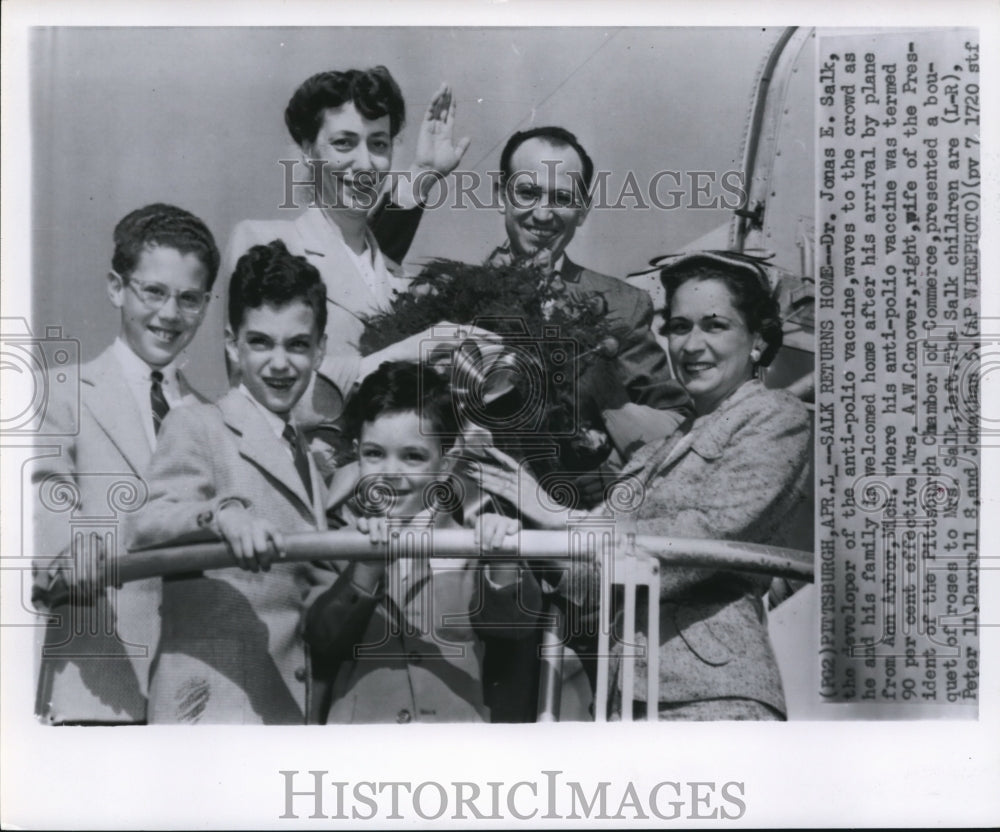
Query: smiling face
[[355, 153], [542, 201], [157, 335], [400, 449], [277, 349], [709, 342]]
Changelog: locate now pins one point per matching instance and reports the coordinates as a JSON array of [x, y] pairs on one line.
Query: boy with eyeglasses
[[100, 641]]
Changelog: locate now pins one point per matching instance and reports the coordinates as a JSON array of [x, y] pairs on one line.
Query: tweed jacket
[[231, 649], [739, 474], [86, 480], [349, 299]]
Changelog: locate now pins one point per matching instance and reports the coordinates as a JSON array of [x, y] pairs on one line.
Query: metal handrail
[[451, 543], [640, 556]]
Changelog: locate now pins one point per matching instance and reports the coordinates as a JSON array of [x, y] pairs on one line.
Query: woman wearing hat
[[736, 471]]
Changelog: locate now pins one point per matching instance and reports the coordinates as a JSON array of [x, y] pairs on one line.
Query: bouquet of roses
[[522, 388]]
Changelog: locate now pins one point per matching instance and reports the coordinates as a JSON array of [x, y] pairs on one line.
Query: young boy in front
[[231, 649], [99, 645], [402, 635]]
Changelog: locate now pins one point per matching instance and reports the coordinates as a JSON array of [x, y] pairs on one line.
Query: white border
[[853, 774]]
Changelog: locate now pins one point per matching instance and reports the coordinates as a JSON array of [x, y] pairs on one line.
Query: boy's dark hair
[[554, 136], [374, 92], [405, 387], [271, 275], [168, 226]]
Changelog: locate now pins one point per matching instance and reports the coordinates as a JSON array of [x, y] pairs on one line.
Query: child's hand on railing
[[254, 542], [367, 573], [376, 526], [491, 529]]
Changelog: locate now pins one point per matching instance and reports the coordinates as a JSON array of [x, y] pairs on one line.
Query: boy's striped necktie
[[290, 435], [157, 400]]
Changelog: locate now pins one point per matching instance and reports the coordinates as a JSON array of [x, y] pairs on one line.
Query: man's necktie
[[157, 400], [301, 462]]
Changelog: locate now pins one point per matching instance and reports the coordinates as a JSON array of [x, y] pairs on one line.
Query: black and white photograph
[[412, 417]]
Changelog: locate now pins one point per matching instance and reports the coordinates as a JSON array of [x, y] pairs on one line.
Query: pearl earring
[[755, 355]]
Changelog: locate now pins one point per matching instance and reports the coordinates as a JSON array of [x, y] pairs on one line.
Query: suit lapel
[[345, 287], [114, 408], [570, 271], [259, 446]]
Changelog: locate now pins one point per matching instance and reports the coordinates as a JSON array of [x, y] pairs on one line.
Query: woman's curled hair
[[374, 92]]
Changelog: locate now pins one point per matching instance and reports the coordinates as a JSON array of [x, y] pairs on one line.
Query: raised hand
[[436, 149]]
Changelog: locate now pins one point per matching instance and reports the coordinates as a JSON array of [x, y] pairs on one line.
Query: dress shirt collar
[[136, 371], [274, 421]]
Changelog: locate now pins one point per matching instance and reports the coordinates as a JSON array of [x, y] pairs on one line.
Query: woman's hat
[[753, 265]]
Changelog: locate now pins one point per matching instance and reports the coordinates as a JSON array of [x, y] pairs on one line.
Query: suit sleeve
[[510, 604], [394, 229], [53, 480], [184, 489], [760, 476], [336, 621], [341, 370], [640, 402], [642, 362]]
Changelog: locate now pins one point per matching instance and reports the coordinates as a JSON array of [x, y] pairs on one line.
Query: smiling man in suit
[[99, 643], [545, 174]]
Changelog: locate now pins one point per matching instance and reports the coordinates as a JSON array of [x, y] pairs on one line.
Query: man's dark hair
[[555, 136], [167, 226], [374, 92], [271, 275]]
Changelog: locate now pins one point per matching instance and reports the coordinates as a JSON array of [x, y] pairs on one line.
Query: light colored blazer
[[739, 474], [96, 658], [349, 299], [231, 649]]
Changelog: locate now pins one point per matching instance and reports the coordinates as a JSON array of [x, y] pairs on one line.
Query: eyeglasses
[[156, 295], [525, 195]]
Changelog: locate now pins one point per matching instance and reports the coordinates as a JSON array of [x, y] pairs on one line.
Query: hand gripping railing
[[626, 561]]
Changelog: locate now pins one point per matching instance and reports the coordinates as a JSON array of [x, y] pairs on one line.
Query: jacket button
[[300, 674], [404, 716]]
